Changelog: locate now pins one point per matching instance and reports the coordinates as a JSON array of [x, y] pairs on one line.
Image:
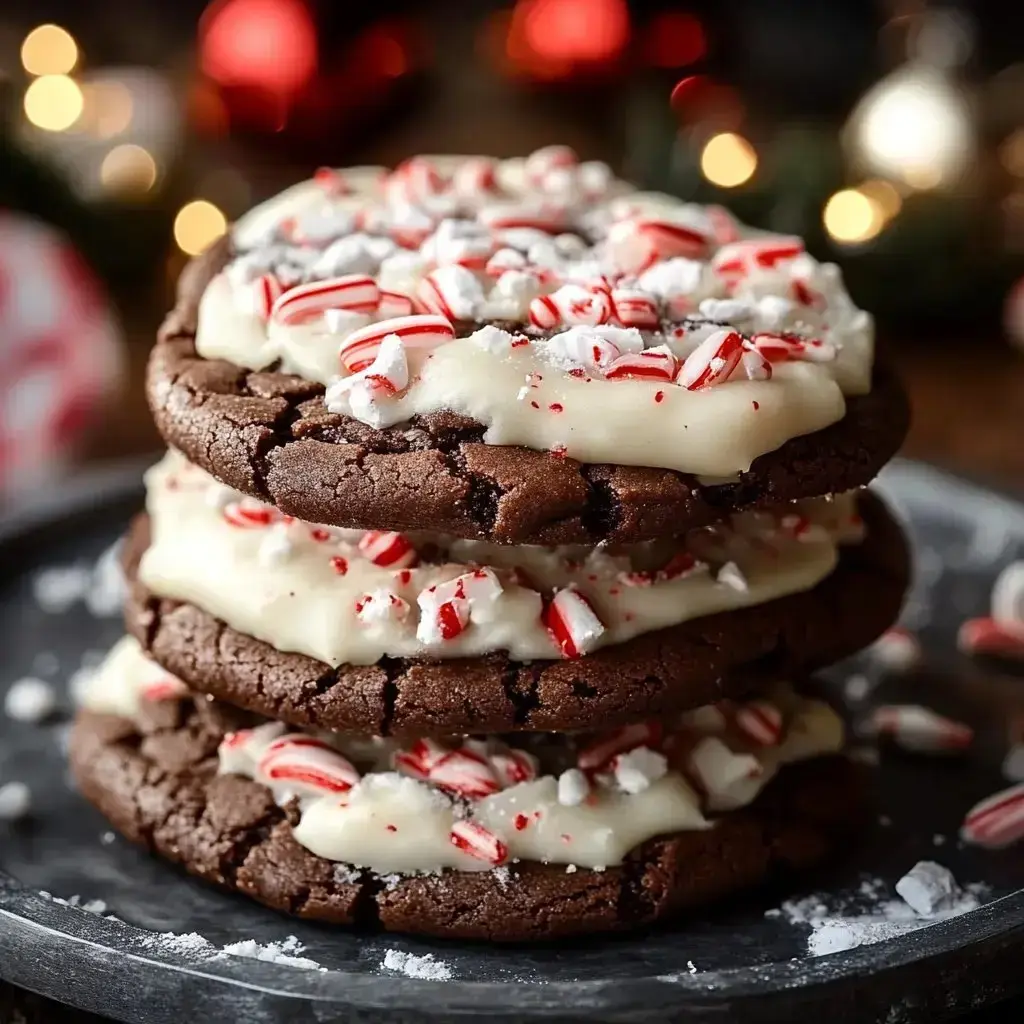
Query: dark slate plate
[[749, 967]]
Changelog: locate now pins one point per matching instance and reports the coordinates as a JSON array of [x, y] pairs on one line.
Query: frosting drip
[[565, 249], [345, 596], [585, 800]]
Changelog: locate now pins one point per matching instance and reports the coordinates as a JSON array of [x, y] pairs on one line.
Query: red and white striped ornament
[[919, 729], [572, 623], [712, 362], [514, 766], [598, 754], [250, 514], [388, 549], [424, 331], [996, 821], [307, 765], [988, 636], [465, 773], [633, 308], [779, 348], [760, 721], [653, 364], [479, 842], [356, 292]]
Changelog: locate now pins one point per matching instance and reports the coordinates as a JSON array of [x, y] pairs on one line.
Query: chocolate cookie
[[269, 435], [669, 670], [156, 782]]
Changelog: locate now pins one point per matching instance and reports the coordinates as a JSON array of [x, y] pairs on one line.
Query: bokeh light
[[49, 50], [884, 194], [53, 103], [197, 225], [914, 126], [574, 30], [108, 108], [728, 160], [851, 217], [673, 39], [128, 169], [1011, 153], [270, 44]]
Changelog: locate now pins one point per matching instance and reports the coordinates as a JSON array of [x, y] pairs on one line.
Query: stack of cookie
[[507, 509]]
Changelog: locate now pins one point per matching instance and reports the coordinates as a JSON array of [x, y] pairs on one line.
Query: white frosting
[[126, 678], [716, 431], [390, 823], [280, 582]]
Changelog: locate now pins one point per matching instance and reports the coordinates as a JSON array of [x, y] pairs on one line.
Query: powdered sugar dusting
[[427, 967], [283, 952], [845, 921]]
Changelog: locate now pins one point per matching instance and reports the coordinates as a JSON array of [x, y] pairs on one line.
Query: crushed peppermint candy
[[636, 769], [928, 888]]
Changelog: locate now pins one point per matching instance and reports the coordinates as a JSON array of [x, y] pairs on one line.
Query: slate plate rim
[[26, 912]]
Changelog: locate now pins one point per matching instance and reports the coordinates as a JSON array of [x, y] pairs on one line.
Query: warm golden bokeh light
[[49, 50], [884, 194], [53, 103], [728, 160], [197, 225], [1011, 153], [851, 217], [128, 169], [108, 108]]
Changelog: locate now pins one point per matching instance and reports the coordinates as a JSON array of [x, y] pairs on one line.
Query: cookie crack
[[393, 669]]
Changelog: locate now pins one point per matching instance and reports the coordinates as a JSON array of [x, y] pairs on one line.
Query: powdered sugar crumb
[[97, 907], [870, 915], [412, 966], [100, 586], [284, 952]]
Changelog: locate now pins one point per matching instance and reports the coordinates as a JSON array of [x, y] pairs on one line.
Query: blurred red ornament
[[269, 44], [674, 39], [61, 351], [554, 38], [699, 99]]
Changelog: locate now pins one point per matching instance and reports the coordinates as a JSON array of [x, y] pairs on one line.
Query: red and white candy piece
[[479, 842], [381, 605], [738, 259], [239, 750], [571, 304], [754, 365], [987, 636], [264, 291], [542, 161], [599, 754], [250, 514], [414, 180], [724, 227], [307, 765], [633, 308], [897, 650], [778, 348], [728, 779], [357, 293], [465, 773], [514, 766], [332, 181], [636, 244], [426, 331], [996, 821], [451, 291], [509, 217], [572, 623], [166, 687], [394, 304], [760, 721], [919, 729], [388, 549], [653, 364], [712, 361], [475, 177], [420, 759], [445, 608]]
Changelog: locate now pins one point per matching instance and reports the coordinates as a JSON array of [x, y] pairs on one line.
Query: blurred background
[[889, 134]]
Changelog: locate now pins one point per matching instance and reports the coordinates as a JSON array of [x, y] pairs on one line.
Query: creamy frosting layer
[[476, 804], [556, 246], [345, 596]]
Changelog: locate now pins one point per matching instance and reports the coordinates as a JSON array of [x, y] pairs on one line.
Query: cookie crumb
[[30, 700], [426, 966]]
